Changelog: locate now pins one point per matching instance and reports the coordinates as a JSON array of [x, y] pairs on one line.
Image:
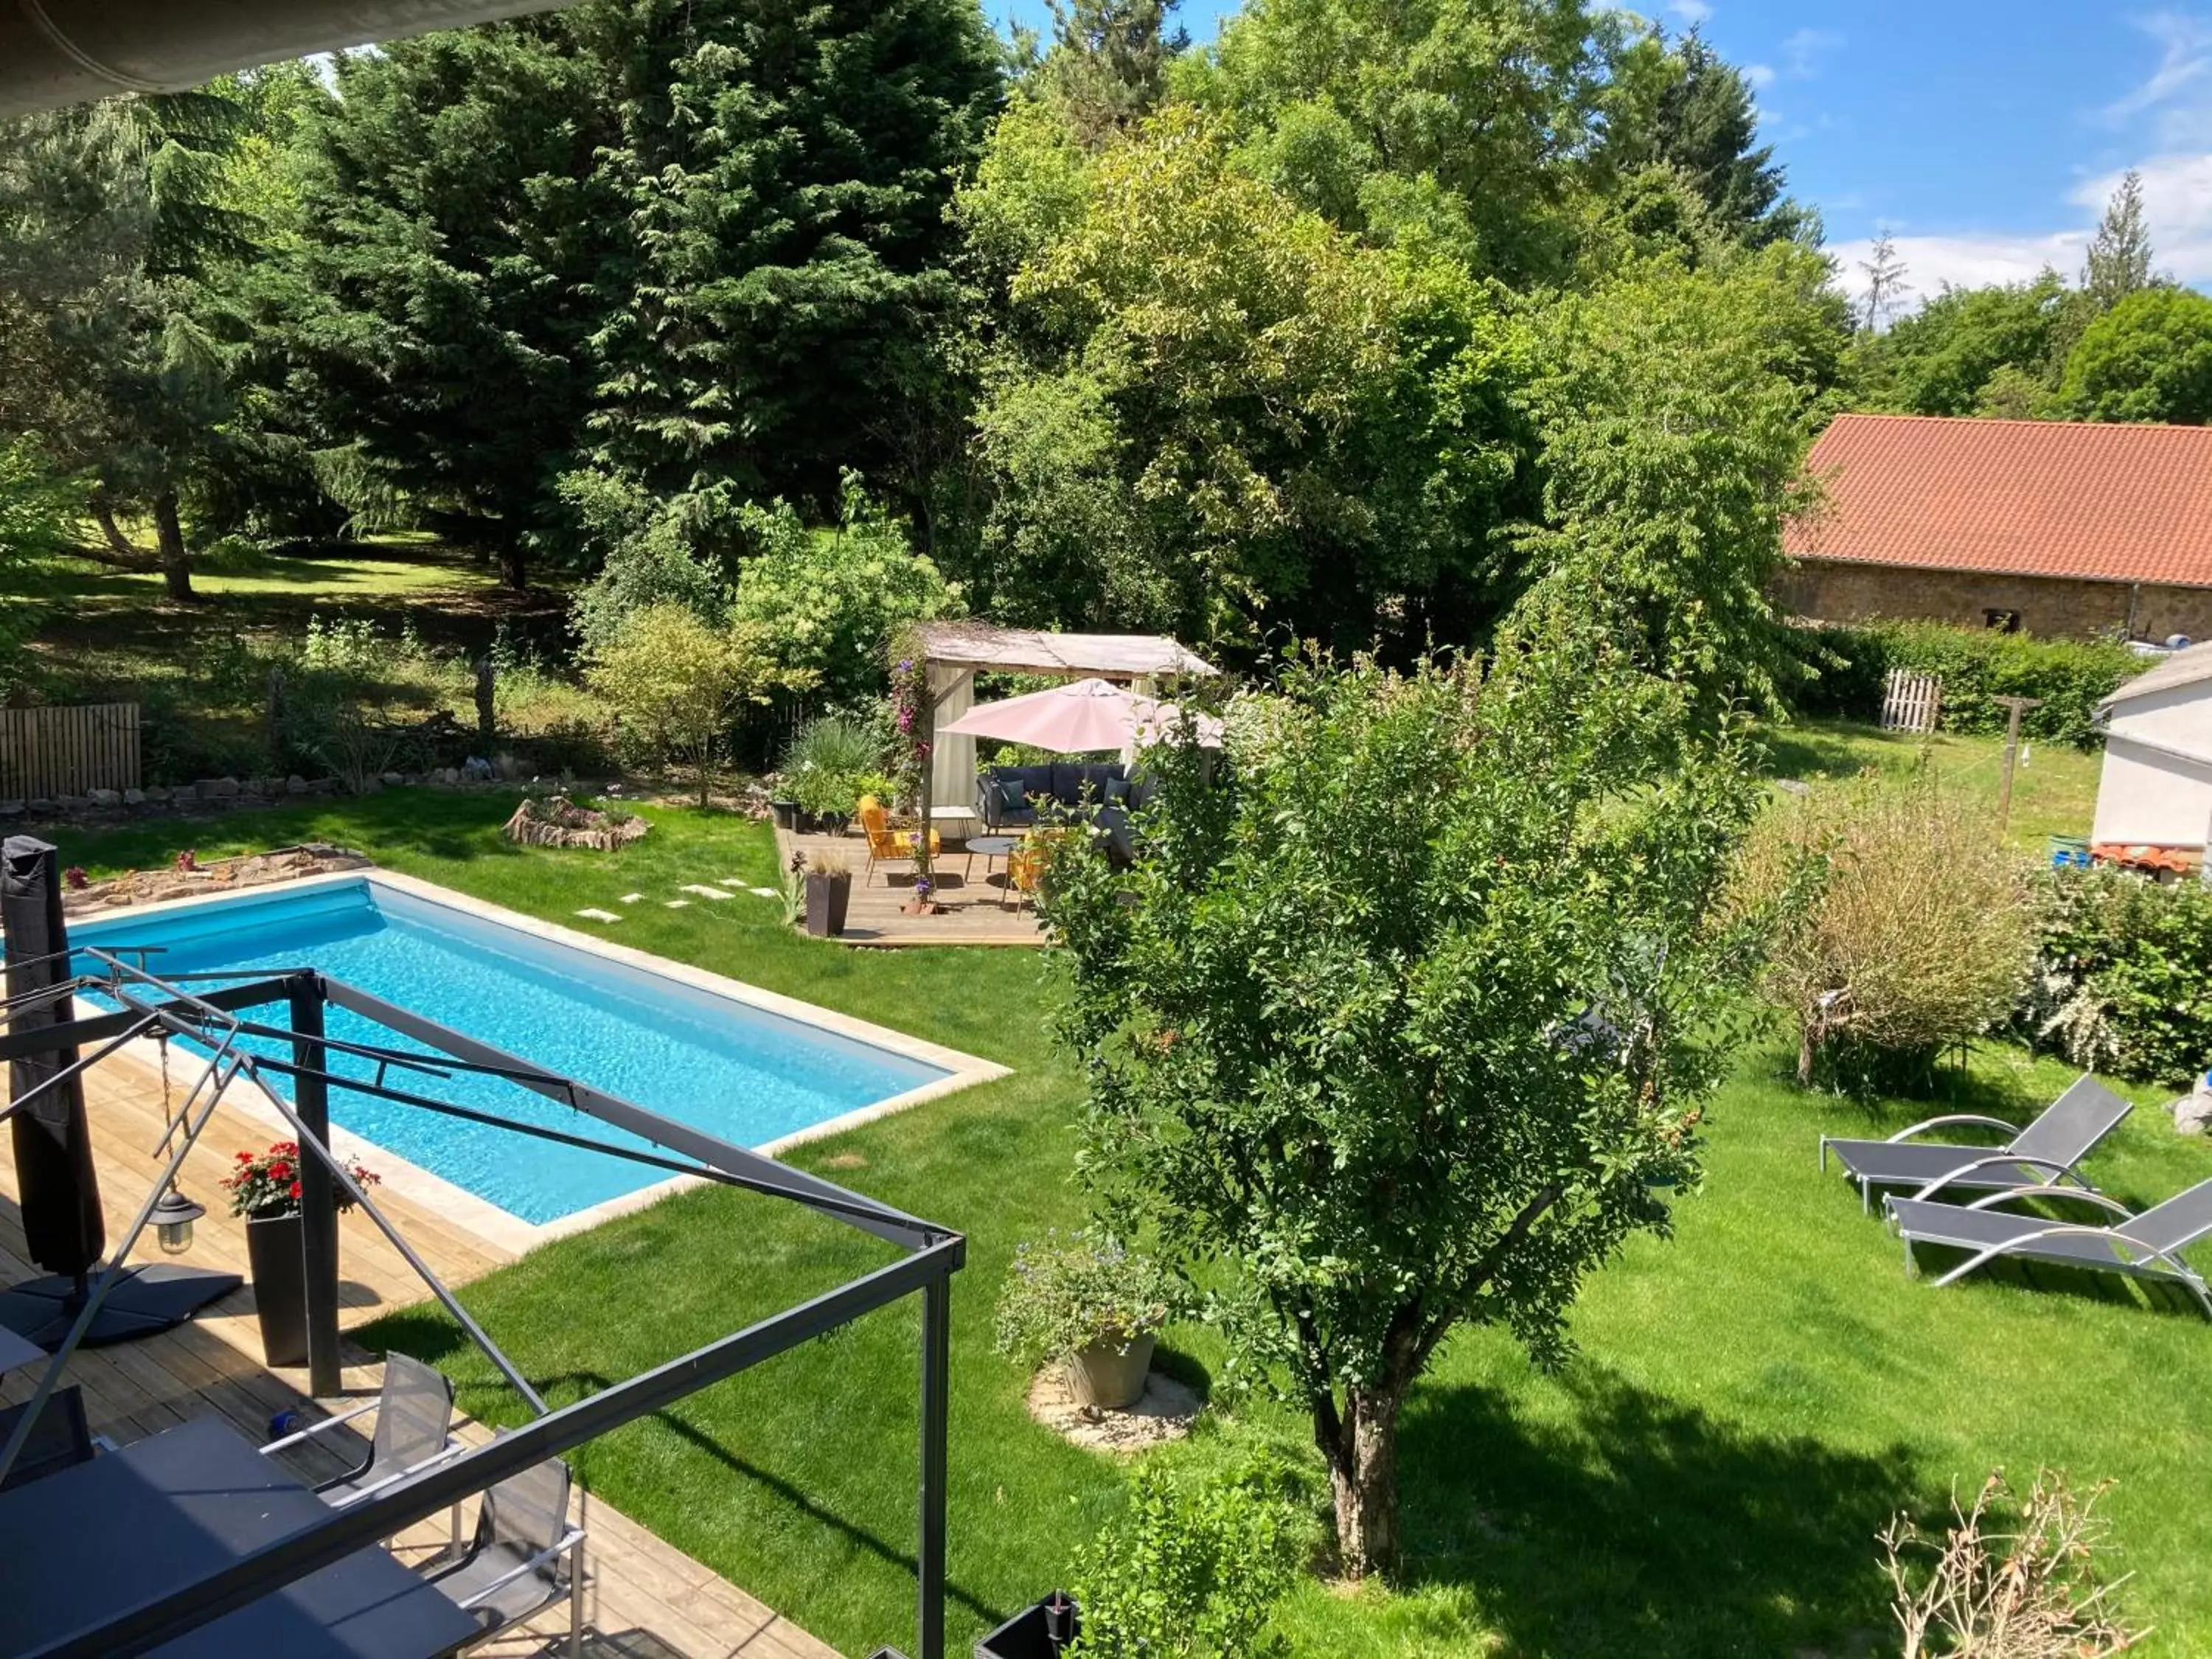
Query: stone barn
[[2052, 527]]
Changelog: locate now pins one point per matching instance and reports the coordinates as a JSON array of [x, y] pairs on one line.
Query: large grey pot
[[1109, 1375]]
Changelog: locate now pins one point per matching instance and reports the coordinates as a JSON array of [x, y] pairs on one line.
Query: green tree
[[1404, 1021], [2118, 260], [780, 172], [1107, 68], [1704, 122], [2150, 358], [1463, 125], [119, 342], [1674, 407], [452, 232], [1941, 358], [1235, 415], [650, 561], [674, 683]]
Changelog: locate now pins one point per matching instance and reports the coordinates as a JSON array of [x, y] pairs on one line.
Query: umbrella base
[[145, 1301]]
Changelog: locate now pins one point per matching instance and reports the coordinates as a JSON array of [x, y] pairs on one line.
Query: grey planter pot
[[1107, 1377], [826, 899], [274, 1246], [1042, 1630]]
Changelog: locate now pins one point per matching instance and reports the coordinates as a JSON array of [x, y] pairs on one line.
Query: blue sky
[[1983, 136]]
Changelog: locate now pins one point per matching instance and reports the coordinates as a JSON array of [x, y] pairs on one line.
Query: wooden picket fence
[[1910, 700], [46, 752]]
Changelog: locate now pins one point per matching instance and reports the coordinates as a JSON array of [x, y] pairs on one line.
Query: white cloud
[[2177, 206], [1760, 75], [1801, 51], [2185, 59], [1693, 12], [1969, 259]]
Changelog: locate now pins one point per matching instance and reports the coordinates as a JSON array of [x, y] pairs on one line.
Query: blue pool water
[[733, 1069]]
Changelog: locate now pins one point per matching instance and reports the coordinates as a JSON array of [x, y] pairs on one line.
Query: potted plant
[[265, 1188], [828, 890], [824, 799], [1094, 1306], [922, 900]]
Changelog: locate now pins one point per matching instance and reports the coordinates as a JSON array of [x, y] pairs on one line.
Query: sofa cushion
[[1117, 790], [1012, 797]]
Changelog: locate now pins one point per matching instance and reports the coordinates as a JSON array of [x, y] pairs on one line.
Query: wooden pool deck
[[978, 909], [642, 1599]]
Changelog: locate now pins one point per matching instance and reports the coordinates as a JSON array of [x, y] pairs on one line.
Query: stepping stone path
[[764, 892], [589, 914], [707, 892], [677, 904], [631, 898]]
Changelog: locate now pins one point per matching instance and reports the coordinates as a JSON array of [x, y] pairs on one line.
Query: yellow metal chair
[[1025, 865], [885, 843]]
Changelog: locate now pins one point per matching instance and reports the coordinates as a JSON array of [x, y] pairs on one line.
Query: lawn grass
[[2054, 787], [1750, 1401], [200, 673]]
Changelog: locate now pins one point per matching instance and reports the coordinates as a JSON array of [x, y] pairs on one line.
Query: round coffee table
[[991, 847]]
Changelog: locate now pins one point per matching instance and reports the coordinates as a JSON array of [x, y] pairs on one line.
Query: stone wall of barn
[[1836, 592]]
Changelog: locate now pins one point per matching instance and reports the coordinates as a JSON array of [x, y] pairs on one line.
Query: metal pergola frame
[[206, 1009]]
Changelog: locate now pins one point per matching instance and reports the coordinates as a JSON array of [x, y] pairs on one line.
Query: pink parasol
[[1078, 718]]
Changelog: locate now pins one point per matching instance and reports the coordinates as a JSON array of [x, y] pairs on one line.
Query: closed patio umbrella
[[57, 1187]]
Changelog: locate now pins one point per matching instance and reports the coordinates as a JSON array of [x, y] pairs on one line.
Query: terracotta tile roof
[[2044, 498]]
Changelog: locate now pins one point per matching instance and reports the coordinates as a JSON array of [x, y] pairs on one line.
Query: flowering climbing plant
[[913, 715], [266, 1185]]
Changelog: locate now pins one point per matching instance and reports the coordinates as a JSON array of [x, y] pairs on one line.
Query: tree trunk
[[1809, 1049], [1363, 1466], [103, 512], [176, 561], [513, 567]]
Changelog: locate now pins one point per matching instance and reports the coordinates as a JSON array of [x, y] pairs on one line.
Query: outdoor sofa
[[1010, 799]]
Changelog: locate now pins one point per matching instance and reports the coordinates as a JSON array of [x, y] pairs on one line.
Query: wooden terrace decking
[[978, 909], [642, 1598]]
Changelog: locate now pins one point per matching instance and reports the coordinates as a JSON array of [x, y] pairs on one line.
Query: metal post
[[318, 1207], [2016, 706], [936, 1356]]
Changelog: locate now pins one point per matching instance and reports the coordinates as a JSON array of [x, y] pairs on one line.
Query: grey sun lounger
[[2043, 1153], [2146, 1246]]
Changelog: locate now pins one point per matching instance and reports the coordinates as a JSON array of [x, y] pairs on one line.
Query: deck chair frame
[[2150, 1262]]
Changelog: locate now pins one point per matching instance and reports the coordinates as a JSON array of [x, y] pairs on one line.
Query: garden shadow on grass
[[2151, 1299], [1646, 1525], [427, 1334]]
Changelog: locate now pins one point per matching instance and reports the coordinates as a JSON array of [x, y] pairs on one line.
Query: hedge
[[1846, 668], [2124, 974]]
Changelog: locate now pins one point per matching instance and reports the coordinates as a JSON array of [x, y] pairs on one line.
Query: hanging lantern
[[172, 1222]]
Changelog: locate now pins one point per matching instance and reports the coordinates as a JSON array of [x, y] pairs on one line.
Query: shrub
[[651, 558], [2122, 974], [674, 683], [2031, 1592], [2070, 678], [831, 600], [834, 760], [1915, 927], [1058, 1301], [1192, 1570]]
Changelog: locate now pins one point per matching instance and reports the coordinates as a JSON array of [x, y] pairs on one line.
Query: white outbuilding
[[2156, 791]]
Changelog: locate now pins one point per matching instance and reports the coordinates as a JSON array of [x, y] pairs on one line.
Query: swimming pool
[[705, 1052]]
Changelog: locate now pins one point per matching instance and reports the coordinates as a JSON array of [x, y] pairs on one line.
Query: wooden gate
[[1910, 700], [45, 753]]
